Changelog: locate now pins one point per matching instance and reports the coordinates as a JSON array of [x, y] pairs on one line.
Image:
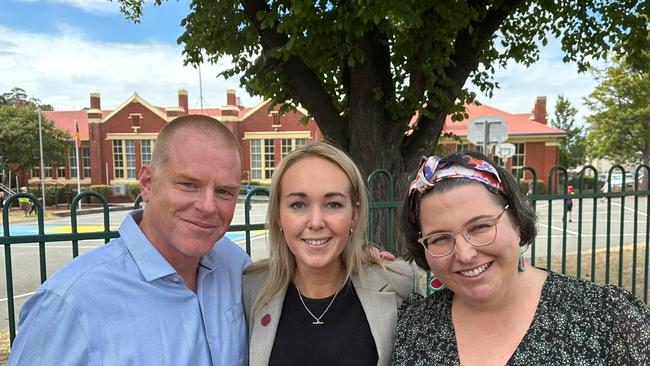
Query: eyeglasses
[[479, 233]]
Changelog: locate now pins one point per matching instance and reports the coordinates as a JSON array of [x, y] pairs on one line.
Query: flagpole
[[40, 142], [76, 144]]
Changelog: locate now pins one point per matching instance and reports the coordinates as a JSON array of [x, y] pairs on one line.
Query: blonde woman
[[318, 296]]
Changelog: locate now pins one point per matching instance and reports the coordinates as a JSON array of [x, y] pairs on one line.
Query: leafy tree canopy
[[362, 68], [18, 96], [572, 147], [19, 134], [620, 126]]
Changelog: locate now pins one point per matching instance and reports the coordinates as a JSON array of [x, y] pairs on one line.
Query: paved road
[[25, 260]]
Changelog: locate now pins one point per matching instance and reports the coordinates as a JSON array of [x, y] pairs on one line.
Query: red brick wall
[[120, 123], [261, 121]]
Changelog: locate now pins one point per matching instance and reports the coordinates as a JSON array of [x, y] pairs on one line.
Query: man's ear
[[146, 181]]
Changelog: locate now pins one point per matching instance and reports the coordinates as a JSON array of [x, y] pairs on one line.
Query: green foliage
[[362, 68], [572, 147], [18, 97], [589, 183], [19, 135], [526, 185], [134, 190], [104, 189], [620, 126]]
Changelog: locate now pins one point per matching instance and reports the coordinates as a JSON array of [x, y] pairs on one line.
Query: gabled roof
[[136, 98], [518, 124]]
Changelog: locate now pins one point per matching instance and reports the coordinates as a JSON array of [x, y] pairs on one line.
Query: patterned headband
[[434, 169]]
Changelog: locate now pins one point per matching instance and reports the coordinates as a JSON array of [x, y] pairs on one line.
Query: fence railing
[[591, 202]]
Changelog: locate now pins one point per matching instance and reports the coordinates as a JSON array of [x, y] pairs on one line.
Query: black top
[[576, 323], [343, 339]]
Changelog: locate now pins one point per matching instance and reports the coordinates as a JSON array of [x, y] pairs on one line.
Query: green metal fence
[[585, 198]]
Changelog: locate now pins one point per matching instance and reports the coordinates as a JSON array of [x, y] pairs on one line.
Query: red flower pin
[[266, 319]]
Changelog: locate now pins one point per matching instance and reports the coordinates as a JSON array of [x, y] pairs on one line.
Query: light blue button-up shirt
[[124, 304]]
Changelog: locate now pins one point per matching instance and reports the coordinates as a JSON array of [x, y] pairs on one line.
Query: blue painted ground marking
[[21, 230]]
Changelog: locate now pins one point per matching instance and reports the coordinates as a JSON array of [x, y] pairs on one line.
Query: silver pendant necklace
[[317, 319]]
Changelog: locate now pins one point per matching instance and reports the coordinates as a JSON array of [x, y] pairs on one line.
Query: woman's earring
[[521, 266], [281, 230], [434, 283]]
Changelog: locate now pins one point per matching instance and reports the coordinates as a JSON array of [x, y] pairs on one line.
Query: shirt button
[[175, 279], [210, 340]]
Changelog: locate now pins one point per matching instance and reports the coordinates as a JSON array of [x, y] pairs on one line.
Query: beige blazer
[[380, 291]]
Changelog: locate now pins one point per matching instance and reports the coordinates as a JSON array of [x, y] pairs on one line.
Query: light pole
[[40, 142]]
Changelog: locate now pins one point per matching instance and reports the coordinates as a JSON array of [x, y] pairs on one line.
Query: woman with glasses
[[467, 221]]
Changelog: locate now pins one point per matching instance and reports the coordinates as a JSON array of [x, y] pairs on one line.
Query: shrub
[[103, 189], [589, 183], [134, 190], [524, 185]]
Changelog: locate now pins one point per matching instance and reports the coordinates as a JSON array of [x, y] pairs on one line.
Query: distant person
[[467, 221], [319, 300], [2, 198], [568, 203], [168, 291], [25, 203]]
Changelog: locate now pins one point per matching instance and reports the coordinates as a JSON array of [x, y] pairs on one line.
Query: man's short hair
[[207, 125]]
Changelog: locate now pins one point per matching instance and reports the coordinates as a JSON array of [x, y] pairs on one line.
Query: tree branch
[[308, 89], [468, 48]]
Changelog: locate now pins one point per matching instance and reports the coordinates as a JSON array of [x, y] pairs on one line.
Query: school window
[[146, 149], [60, 172], [36, 172], [288, 145], [269, 158], [518, 161], [85, 161], [72, 158], [124, 159], [48, 171], [464, 147], [262, 158], [256, 159]]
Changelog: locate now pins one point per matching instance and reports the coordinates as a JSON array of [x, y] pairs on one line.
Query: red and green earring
[[522, 262], [434, 284]]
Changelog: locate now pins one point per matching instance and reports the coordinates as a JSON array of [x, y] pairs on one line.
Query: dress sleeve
[[630, 332], [51, 332]]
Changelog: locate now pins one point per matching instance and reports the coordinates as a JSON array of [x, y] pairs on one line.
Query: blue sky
[[61, 50]]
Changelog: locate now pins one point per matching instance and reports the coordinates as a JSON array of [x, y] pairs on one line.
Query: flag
[[77, 139]]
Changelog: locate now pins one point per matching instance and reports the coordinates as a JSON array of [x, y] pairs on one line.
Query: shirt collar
[[151, 263]]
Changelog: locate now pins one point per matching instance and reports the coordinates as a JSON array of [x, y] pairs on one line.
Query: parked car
[[617, 181]]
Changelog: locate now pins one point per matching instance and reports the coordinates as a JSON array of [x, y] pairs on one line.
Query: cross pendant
[[318, 322]]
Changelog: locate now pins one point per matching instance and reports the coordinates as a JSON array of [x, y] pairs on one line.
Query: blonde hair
[[282, 263]]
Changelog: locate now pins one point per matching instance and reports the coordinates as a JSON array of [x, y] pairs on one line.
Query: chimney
[[182, 100], [231, 97], [95, 101], [539, 110], [94, 113]]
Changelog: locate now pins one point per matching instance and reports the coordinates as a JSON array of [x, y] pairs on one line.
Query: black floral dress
[[576, 322]]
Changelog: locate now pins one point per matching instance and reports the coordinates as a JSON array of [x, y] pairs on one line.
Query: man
[[163, 293]]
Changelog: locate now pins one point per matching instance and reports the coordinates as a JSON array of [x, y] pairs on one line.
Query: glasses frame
[[464, 232]]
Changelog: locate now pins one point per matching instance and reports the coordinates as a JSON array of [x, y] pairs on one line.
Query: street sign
[[492, 129], [504, 150]]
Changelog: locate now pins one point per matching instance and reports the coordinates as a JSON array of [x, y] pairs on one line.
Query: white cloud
[[89, 6], [92, 6], [550, 77], [63, 68]]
